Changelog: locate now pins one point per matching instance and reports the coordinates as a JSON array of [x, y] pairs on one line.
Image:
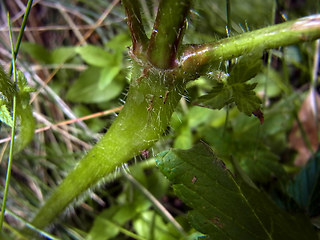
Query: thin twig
[[22, 12], [53, 28], [73, 26], [24, 22], [94, 115], [100, 20], [13, 129], [65, 108], [29, 225], [61, 131], [73, 11]]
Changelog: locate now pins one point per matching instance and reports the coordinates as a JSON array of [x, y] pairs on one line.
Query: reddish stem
[[138, 35]]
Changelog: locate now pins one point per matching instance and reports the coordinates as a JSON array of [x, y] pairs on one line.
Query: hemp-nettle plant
[[225, 205]]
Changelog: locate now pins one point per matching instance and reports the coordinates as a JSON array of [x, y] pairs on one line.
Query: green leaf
[[24, 112], [62, 54], [184, 138], [245, 98], [103, 227], [23, 109], [36, 51], [86, 88], [234, 89], [23, 90], [270, 82], [7, 89], [111, 63], [305, 188], [95, 56], [263, 166], [108, 224], [151, 226], [120, 42], [246, 68], [217, 98], [5, 115], [26, 128], [107, 75], [43, 55], [225, 207]]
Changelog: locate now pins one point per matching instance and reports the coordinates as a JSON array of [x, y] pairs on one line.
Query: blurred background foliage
[[75, 54]]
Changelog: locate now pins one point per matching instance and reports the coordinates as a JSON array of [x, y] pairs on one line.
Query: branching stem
[[146, 113]]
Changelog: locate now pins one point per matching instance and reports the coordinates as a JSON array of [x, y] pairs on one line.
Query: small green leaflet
[[7, 92], [246, 68], [7, 89], [245, 98], [23, 90], [81, 90], [220, 96], [235, 89], [45, 56], [110, 63], [224, 206], [5, 115], [94, 55]]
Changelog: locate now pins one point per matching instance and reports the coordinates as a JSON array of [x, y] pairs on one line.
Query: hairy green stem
[[141, 122], [197, 58], [151, 100]]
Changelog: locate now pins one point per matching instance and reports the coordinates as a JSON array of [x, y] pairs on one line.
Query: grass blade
[[12, 133]]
